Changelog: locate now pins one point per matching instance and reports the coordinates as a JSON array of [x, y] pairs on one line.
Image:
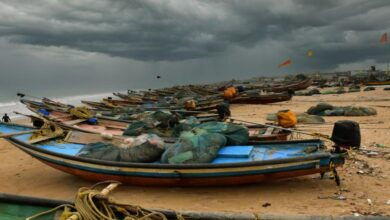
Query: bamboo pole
[[17, 133]]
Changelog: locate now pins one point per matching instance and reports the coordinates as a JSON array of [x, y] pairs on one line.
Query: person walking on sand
[[6, 118]]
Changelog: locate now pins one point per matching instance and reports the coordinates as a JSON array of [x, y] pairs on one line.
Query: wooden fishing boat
[[261, 99], [202, 105], [109, 125], [262, 133], [17, 207], [98, 105], [68, 121], [377, 83], [295, 86], [255, 162], [47, 103], [131, 96], [121, 102]]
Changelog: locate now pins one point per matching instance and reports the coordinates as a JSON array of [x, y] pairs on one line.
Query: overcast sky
[[102, 45]]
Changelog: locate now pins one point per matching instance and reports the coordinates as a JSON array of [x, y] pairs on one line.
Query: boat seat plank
[[74, 122], [62, 148], [235, 151], [40, 139], [115, 127], [78, 137], [221, 160], [268, 131]]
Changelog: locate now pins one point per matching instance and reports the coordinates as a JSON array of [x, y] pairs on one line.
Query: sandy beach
[[364, 178]]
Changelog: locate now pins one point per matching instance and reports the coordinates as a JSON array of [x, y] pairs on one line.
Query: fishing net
[[47, 130], [185, 125], [159, 122], [336, 111], [235, 134], [138, 127], [305, 118], [324, 109], [272, 117], [166, 118], [81, 112], [308, 92], [196, 146], [353, 89], [143, 149], [359, 111], [368, 89], [339, 90], [320, 107]]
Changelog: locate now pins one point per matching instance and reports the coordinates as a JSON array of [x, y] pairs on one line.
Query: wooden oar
[[17, 133], [30, 116], [21, 95]]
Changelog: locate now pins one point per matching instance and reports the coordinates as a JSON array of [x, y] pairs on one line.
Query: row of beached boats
[[200, 98], [61, 131]]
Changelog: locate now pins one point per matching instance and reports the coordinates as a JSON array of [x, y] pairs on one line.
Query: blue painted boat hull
[[234, 172]]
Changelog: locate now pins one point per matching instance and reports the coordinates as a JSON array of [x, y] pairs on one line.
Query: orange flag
[[285, 63], [383, 39]]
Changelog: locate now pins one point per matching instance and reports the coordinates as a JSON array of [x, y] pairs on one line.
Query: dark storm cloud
[[339, 31]]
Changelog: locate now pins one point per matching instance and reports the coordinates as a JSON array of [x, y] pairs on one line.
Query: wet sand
[[23, 175]]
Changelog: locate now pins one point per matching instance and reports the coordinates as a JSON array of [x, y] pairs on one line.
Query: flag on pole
[[309, 53], [285, 63], [383, 39]]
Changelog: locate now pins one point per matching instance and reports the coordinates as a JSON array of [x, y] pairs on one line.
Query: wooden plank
[[235, 151], [62, 116], [41, 139], [74, 122], [78, 137], [268, 131], [115, 126], [107, 122], [16, 133]]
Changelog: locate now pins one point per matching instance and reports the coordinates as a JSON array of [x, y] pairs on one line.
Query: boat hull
[[263, 99], [296, 86], [384, 83], [184, 176], [187, 182]]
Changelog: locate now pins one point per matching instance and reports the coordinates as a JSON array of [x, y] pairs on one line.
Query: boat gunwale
[[17, 142]]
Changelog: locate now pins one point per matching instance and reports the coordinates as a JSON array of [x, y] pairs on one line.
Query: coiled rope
[[91, 204]]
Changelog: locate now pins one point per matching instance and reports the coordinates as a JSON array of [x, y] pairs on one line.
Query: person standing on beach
[[6, 118]]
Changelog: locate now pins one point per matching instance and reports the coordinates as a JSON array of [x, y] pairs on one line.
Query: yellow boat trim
[[164, 170]]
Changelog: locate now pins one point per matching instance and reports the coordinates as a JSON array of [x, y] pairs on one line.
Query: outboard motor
[[223, 111], [346, 134]]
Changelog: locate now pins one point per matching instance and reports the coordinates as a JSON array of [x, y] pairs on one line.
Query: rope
[[65, 212], [81, 112], [91, 204], [48, 129]]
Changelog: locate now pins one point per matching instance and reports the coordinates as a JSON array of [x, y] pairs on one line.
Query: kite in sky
[[383, 39], [285, 63]]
